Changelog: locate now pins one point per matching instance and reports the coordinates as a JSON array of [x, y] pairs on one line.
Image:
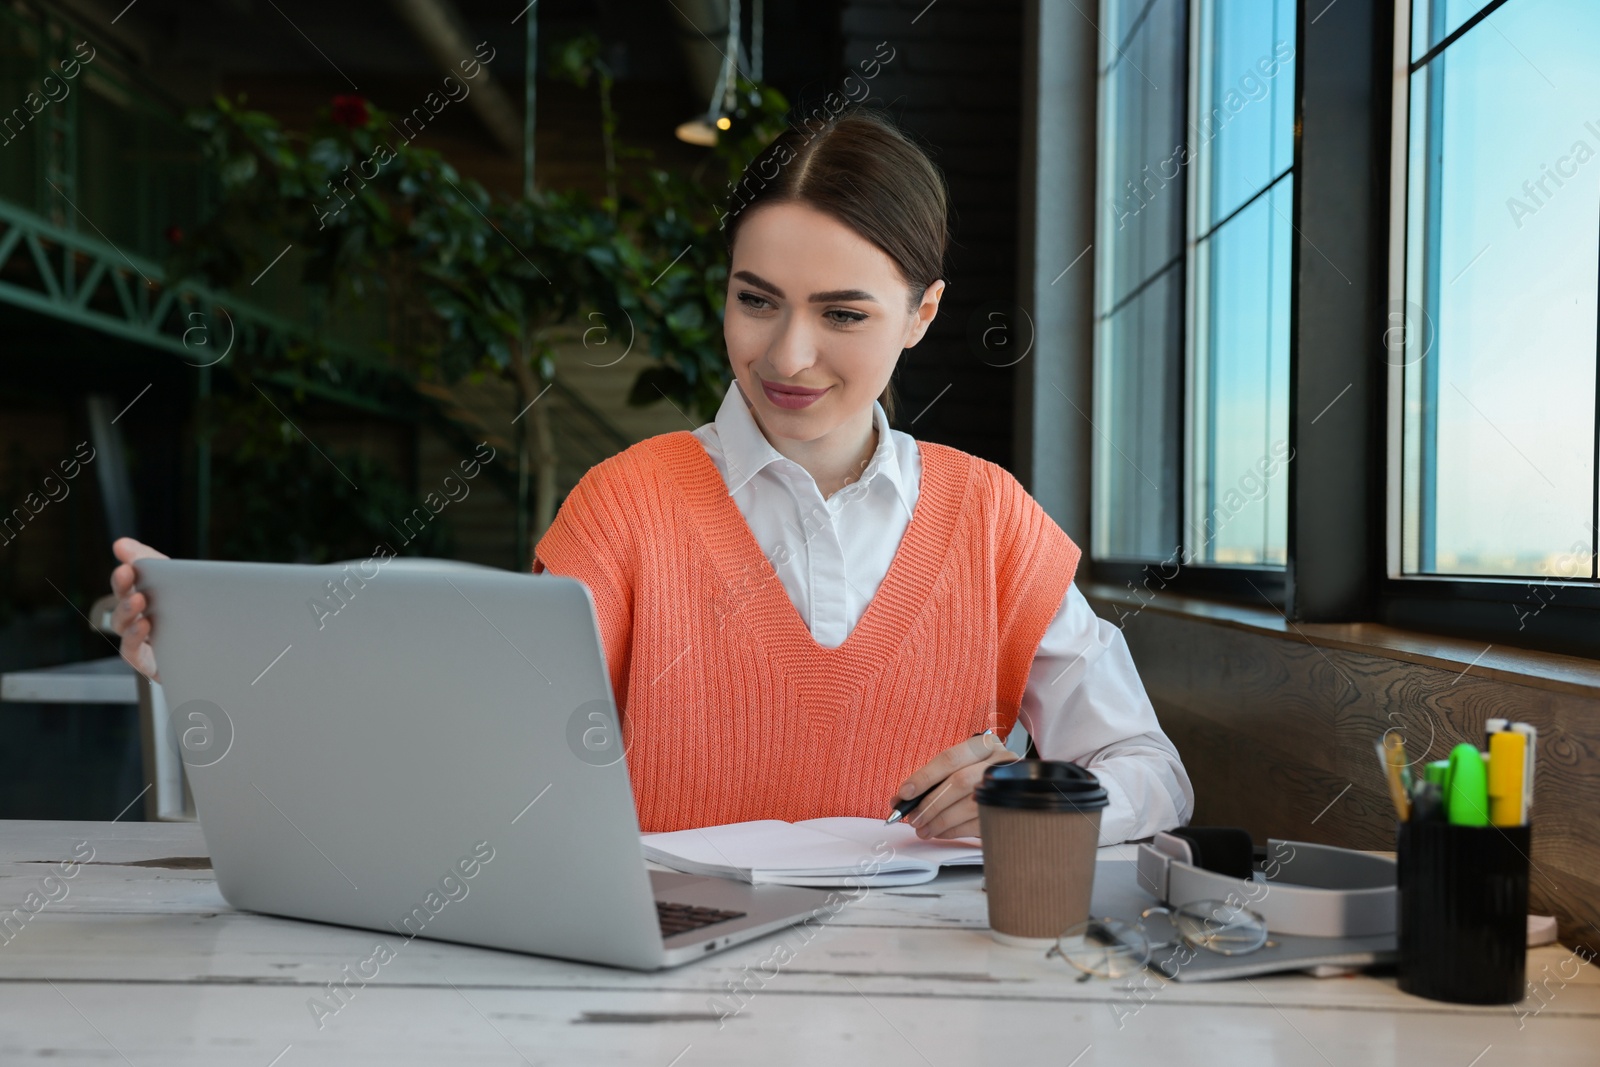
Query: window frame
[[1550, 614], [1351, 108], [1236, 582]]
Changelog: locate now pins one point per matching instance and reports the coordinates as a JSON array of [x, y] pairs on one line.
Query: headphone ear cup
[[1226, 850]]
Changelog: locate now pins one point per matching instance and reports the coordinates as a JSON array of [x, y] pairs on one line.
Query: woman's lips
[[791, 397]]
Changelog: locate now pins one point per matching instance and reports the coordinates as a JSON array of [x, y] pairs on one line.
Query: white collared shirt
[[1083, 700]]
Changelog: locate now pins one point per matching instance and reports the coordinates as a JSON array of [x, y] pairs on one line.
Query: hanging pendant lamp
[[703, 129]]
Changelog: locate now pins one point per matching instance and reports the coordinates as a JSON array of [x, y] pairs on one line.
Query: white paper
[[840, 851]]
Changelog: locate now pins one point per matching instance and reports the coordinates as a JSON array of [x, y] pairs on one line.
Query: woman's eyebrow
[[830, 296]]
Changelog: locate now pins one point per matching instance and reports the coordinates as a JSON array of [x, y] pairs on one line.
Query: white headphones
[[1314, 890]]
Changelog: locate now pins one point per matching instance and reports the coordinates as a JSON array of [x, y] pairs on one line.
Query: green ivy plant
[[436, 279]]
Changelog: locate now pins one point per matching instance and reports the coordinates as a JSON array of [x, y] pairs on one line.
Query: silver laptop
[[428, 749]]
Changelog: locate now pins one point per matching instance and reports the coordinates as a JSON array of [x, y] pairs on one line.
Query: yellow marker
[[1506, 767]]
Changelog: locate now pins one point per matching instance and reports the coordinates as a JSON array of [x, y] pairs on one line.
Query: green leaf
[[686, 317], [239, 170]]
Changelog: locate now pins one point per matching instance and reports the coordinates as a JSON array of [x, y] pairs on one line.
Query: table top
[[97, 681], [140, 961]]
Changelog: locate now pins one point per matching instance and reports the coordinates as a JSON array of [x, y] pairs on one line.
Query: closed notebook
[[817, 852]]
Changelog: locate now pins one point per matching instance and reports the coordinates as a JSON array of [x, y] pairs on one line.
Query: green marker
[[1468, 797], [1437, 772]]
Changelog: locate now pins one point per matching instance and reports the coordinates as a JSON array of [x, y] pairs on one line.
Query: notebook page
[[768, 849], [870, 834]]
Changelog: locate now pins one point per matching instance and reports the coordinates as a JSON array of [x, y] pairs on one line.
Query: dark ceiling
[[191, 47]]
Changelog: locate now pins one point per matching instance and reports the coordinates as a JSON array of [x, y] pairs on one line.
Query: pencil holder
[[1463, 911]]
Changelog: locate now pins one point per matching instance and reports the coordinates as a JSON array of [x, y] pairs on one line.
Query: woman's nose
[[791, 351]]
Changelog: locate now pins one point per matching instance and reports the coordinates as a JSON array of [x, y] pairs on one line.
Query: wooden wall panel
[[1277, 734]]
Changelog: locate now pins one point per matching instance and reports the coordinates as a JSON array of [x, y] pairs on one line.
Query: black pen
[[902, 808]]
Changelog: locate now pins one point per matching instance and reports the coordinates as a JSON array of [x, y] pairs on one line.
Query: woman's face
[[814, 306]]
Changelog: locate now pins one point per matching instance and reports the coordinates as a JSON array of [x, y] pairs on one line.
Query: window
[[1495, 338], [1196, 152], [1240, 240], [1139, 279], [1427, 344]]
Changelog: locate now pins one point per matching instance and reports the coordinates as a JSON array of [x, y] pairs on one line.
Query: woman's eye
[[754, 302], [843, 317]]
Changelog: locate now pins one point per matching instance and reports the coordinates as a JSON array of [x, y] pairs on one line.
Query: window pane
[[1239, 443], [1118, 18], [1139, 251], [1434, 20], [1141, 170], [1243, 125], [1501, 277], [1138, 390]]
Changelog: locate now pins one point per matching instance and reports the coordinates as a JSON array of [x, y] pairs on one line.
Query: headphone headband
[[1313, 890]]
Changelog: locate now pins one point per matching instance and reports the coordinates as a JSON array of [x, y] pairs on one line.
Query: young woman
[[806, 613]]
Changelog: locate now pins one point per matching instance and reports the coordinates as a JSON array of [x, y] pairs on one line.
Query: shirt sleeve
[[1084, 703]]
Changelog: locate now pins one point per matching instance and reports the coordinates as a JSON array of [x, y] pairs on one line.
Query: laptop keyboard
[[681, 918]]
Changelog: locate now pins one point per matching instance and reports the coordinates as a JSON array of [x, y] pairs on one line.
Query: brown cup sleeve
[[1038, 868]]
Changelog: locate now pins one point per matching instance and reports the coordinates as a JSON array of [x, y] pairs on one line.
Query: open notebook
[[817, 852]]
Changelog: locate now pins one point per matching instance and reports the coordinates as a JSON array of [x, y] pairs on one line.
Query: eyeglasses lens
[[1220, 927], [1105, 948]]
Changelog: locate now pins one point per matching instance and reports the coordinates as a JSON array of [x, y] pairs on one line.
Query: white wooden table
[[142, 963], [97, 681]]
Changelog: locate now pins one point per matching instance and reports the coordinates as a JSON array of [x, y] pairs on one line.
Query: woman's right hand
[[130, 618]]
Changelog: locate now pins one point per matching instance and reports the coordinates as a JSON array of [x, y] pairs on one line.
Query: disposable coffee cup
[[1040, 823]]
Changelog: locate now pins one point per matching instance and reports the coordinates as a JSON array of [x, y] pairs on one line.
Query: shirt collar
[[746, 450]]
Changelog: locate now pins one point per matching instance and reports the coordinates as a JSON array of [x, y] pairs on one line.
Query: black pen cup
[[1463, 911]]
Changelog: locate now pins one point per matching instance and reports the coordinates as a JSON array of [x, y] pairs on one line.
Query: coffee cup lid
[[1041, 785]]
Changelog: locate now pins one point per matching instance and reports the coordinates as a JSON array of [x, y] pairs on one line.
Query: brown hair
[[861, 169]]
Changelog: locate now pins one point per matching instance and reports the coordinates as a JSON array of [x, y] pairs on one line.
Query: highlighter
[[1468, 798], [1428, 803], [1507, 759], [1437, 772], [1532, 736]]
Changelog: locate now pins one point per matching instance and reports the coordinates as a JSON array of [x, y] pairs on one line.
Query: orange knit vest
[[730, 709]]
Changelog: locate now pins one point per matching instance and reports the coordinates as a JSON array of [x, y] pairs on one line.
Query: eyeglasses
[[1112, 948]]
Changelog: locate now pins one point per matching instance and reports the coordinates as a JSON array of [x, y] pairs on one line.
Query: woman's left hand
[[951, 810]]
